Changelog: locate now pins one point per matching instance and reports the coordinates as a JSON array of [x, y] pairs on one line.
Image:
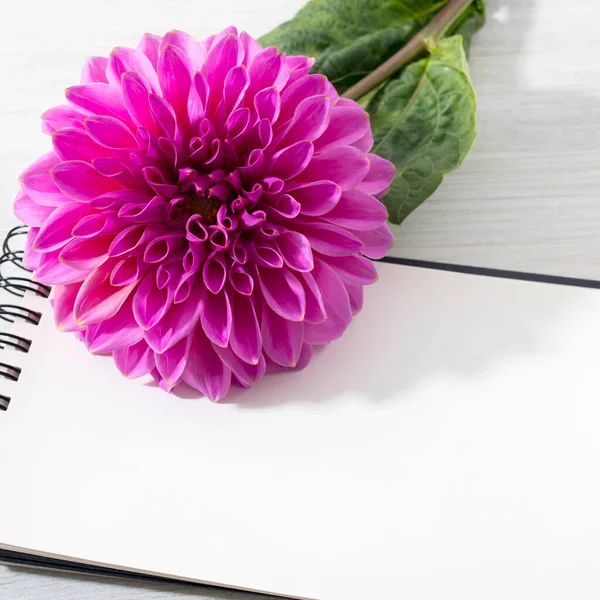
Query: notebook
[[447, 445]]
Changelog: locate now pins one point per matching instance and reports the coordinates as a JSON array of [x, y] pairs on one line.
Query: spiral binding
[[17, 286]]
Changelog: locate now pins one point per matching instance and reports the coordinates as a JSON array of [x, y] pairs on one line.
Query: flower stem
[[432, 32]]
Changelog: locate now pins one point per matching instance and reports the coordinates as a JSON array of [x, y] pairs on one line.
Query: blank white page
[[447, 445]]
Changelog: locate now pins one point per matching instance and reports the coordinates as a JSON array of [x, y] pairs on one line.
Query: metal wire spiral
[[17, 285]]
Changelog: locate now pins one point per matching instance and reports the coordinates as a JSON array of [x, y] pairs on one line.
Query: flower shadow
[[441, 326]]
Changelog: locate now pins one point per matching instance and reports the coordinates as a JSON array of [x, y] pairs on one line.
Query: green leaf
[[424, 122], [351, 38], [469, 23]]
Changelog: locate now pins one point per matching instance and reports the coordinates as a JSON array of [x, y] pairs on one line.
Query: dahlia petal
[[115, 200], [98, 99], [97, 299], [175, 77], [191, 47], [358, 210], [171, 362], [223, 56], [204, 370], [315, 308], [156, 179], [136, 99], [171, 273], [268, 231], [379, 177], [265, 133], [295, 250], [110, 133], [195, 230], [300, 67], [170, 151], [329, 239], [75, 144], [132, 240], [240, 280], [60, 117], [222, 191], [343, 165], [31, 258], [303, 360], [184, 288], [194, 257], [235, 85], [94, 70], [30, 212], [337, 306], [51, 271], [365, 143], [119, 171], [317, 197], [377, 242], [214, 272], [254, 167], [246, 374], [216, 158], [81, 181], [94, 225], [216, 318], [127, 60], [283, 207], [219, 238], [149, 302], [198, 100], [56, 230], [265, 254], [251, 48], [356, 296], [85, 254], [126, 271], [246, 339], [149, 45], [151, 212], [63, 301], [164, 115], [162, 247], [273, 185], [211, 41], [134, 361], [120, 331], [177, 323], [38, 183], [163, 384], [36, 176], [346, 125], [250, 198], [293, 160], [354, 270], [268, 69], [238, 125], [294, 94], [282, 339], [251, 220], [267, 104], [311, 119], [283, 292]]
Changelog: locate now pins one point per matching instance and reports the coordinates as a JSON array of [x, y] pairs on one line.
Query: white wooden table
[[527, 198]]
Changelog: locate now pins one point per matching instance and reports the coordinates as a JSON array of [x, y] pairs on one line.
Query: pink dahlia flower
[[207, 210]]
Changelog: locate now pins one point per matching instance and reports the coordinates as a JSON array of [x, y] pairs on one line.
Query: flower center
[[206, 207]]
